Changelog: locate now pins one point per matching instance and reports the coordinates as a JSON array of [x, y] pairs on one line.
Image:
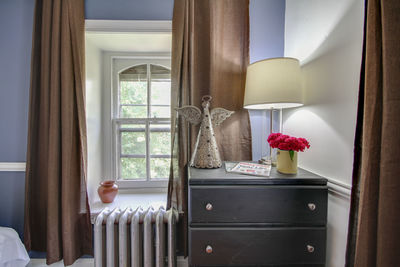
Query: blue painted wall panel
[[267, 29], [15, 55], [267, 34], [129, 9]]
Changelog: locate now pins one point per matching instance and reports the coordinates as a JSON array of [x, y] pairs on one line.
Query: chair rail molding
[[12, 166], [336, 187], [339, 188]]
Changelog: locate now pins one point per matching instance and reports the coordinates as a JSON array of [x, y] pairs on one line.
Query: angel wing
[[218, 115], [190, 113]]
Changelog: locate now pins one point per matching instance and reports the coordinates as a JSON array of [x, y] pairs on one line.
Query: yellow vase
[[285, 164]]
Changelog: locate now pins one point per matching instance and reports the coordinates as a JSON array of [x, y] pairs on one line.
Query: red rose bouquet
[[286, 142]]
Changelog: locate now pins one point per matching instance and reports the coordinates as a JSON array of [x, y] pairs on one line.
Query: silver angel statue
[[205, 154]]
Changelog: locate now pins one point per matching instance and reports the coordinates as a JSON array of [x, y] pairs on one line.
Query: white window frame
[[117, 121]]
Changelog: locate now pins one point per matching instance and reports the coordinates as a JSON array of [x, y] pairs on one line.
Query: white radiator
[[135, 238]]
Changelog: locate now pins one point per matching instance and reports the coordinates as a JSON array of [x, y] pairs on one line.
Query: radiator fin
[[135, 238]]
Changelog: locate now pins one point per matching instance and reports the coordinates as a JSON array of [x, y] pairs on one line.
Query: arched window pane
[[160, 91], [144, 146], [133, 92]]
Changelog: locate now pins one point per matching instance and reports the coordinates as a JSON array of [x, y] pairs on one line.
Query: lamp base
[[264, 161], [268, 161]]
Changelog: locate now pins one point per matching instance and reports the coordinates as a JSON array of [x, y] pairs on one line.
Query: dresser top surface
[[221, 177]]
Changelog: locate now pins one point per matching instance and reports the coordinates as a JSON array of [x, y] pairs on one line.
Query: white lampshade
[[273, 83]]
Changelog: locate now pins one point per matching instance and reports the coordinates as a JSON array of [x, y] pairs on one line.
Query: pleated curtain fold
[[210, 54], [374, 227], [57, 216]]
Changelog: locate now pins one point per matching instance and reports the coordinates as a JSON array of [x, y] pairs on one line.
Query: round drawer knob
[[311, 206], [209, 206], [209, 249], [310, 248]]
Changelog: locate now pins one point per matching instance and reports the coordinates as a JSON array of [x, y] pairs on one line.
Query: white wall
[[93, 117], [327, 38]]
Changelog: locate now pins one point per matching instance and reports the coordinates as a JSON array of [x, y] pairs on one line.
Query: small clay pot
[[107, 191]]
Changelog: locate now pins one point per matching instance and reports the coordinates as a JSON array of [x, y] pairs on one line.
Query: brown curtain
[[57, 217], [210, 49], [374, 228]]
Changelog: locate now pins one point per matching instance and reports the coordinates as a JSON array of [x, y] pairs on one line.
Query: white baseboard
[[182, 262], [78, 263]]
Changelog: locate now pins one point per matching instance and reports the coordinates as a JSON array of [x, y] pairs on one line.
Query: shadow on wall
[[330, 82], [311, 31]]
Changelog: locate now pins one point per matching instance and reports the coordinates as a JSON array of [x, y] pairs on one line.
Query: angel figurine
[[205, 154]]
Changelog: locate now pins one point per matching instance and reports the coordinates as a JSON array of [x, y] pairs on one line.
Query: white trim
[[12, 166], [116, 62], [182, 262], [153, 186], [335, 186], [129, 26], [89, 262], [136, 55], [109, 97], [340, 188]]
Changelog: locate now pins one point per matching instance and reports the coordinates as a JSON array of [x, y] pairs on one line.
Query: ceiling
[[131, 42]]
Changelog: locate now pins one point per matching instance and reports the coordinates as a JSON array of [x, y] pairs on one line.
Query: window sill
[[128, 199]]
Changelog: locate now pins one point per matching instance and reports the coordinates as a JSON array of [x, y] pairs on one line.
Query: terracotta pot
[[284, 163], [107, 191]]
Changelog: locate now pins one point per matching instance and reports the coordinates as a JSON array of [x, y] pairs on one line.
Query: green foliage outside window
[[133, 92], [159, 168], [134, 104], [133, 143], [133, 168]]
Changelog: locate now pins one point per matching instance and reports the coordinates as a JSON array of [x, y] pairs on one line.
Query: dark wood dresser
[[240, 220]]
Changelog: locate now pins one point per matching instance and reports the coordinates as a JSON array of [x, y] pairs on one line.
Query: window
[[142, 126]]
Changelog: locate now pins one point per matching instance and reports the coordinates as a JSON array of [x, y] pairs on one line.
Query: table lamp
[[271, 84]]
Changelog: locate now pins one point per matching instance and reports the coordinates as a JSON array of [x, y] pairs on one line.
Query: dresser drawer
[[258, 204], [257, 246]]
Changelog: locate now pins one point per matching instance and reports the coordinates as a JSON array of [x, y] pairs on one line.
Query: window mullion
[[148, 151], [148, 123], [148, 91], [119, 138]]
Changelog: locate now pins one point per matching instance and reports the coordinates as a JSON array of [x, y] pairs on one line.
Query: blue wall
[[267, 29], [16, 17], [15, 51], [15, 54], [129, 9], [267, 32]]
